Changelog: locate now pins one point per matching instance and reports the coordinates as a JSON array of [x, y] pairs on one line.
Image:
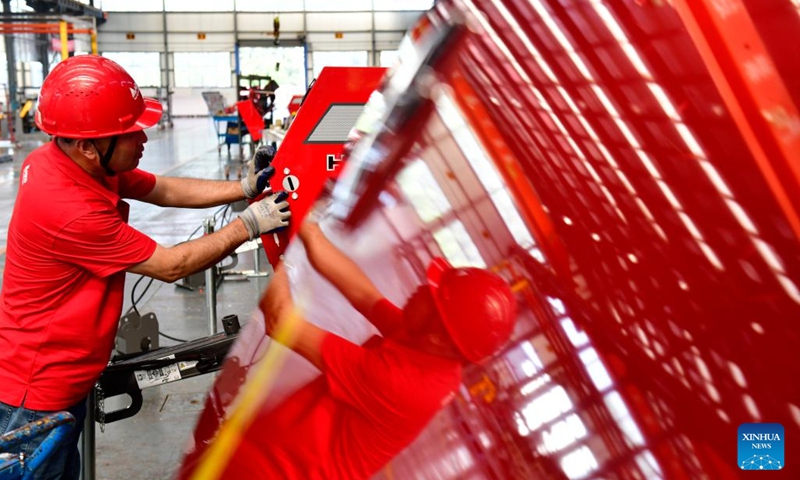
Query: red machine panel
[[294, 104], [311, 152]]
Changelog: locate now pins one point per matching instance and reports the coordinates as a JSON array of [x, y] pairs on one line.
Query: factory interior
[[529, 239]]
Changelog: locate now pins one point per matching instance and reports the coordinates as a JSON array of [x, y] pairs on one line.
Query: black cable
[[195, 231], [226, 209], [172, 338], [133, 300], [220, 209]]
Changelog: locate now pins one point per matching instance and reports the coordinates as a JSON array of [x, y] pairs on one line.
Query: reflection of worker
[[69, 244], [373, 400]]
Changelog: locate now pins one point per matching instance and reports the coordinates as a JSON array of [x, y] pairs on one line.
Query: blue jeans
[[62, 464]]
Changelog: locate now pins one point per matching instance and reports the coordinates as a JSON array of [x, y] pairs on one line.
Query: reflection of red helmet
[[89, 96], [477, 307]]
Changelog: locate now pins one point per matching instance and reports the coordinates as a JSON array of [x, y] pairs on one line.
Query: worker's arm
[[198, 193], [285, 324], [193, 192], [342, 272], [173, 263]]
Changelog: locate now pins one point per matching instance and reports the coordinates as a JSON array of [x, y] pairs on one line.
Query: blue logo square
[[761, 446]]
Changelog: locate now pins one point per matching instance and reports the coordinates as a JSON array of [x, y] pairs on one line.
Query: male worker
[[69, 244], [371, 401]]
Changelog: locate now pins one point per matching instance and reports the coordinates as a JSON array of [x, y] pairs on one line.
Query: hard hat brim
[[436, 269], [149, 117]]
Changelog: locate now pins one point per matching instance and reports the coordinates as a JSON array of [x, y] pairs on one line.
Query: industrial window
[[338, 5], [198, 6], [402, 4], [286, 65], [338, 59], [128, 6], [3, 76], [202, 69], [389, 57], [269, 6], [144, 67], [32, 74]]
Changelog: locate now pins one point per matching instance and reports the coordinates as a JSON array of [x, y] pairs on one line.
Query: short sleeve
[[102, 243], [386, 316], [136, 183]]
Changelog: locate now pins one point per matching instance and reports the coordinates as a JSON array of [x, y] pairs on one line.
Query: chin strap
[[105, 158]]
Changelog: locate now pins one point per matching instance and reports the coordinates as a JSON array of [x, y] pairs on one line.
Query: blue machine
[[53, 427]]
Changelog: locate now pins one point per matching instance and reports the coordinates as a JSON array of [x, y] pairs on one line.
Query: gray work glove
[[259, 172], [268, 214]]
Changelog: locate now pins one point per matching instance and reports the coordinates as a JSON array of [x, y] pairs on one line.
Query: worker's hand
[[268, 214], [259, 172]]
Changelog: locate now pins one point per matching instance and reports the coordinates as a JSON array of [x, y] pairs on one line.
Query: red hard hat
[[477, 307], [90, 96]]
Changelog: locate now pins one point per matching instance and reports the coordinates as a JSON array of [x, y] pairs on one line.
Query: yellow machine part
[[26, 108]]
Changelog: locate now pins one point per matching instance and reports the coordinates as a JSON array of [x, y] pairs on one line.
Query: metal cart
[[222, 125]]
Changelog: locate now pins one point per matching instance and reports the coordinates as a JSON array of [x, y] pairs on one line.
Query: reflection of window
[[457, 246], [422, 190], [523, 360], [621, 414], [429, 201], [486, 172], [338, 59], [202, 69], [546, 407], [535, 384], [595, 368], [579, 463], [505, 206], [648, 465], [144, 67], [562, 434], [578, 338]]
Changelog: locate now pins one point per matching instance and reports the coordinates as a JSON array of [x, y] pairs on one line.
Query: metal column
[[11, 60], [211, 283], [88, 440]]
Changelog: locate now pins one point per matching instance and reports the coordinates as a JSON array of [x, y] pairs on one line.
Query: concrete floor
[[149, 445]]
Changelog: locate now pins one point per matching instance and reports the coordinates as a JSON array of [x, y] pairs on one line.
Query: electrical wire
[[221, 212], [220, 209], [172, 338]]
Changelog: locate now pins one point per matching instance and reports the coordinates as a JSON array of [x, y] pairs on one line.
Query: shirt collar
[[70, 169]]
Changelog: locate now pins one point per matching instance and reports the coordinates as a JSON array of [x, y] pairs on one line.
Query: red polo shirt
[[369, 404], [68, 246]]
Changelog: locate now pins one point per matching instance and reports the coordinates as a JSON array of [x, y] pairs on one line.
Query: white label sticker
[[157, 376]]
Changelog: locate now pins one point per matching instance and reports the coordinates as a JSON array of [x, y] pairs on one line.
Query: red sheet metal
[[307, 160], [251, 118], [617, 162]]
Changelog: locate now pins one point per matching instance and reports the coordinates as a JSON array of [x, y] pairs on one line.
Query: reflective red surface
[[632, 173]]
